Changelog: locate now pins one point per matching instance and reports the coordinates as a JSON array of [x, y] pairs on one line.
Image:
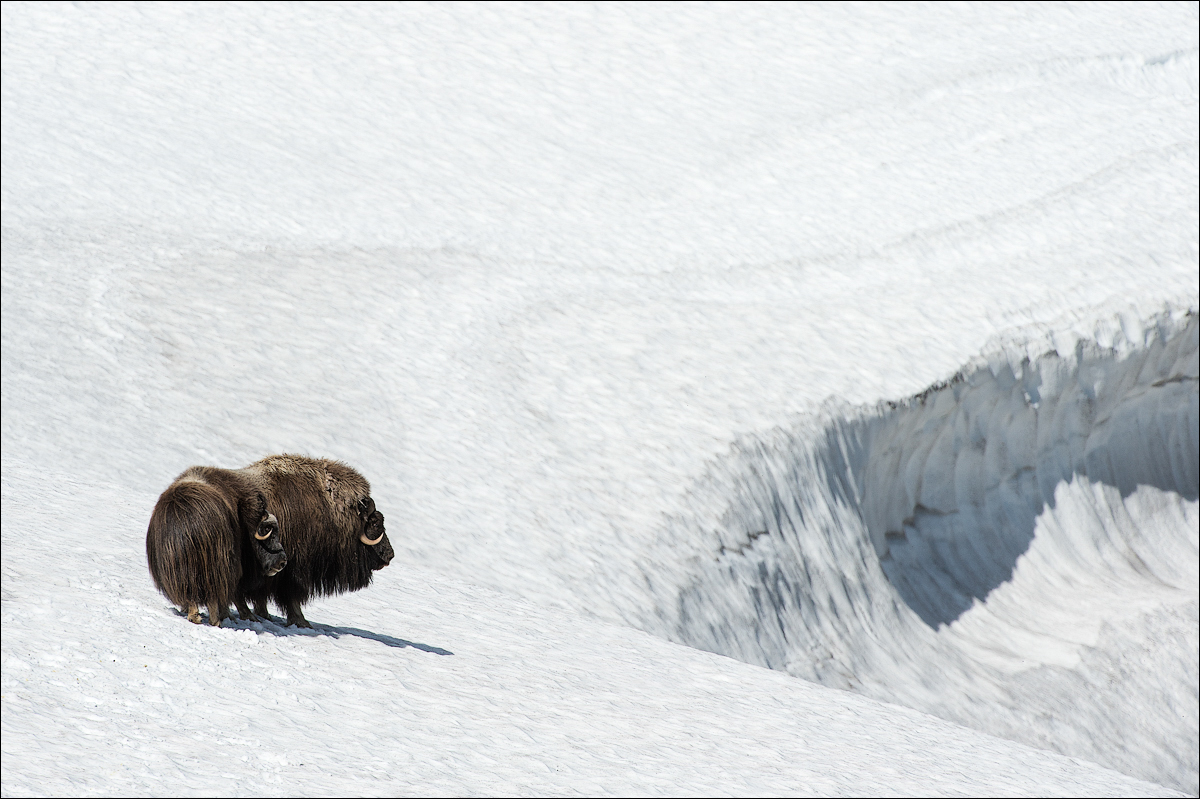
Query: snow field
[[609, 302]]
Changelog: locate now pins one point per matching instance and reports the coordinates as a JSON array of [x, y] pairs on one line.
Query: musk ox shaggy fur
[[332, 532], [212, 540]]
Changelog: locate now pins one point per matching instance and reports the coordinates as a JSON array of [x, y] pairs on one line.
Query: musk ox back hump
[[316, 517], [192, 544]]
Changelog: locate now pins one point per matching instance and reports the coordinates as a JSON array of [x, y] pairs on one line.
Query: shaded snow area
[[770, 399], [1016, 550]]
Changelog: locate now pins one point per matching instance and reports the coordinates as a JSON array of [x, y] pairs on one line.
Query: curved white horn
[[371, 542], [270, 518]]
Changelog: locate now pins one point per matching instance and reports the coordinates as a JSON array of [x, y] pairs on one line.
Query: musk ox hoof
[[299, 623]]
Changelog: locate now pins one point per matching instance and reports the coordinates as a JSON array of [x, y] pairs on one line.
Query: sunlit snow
[[859, 343]]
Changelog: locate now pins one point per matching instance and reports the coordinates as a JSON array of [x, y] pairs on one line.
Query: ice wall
[[1015, 549]]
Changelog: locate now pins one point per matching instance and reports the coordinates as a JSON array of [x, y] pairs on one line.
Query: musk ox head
[[267, 546], [373, 535]]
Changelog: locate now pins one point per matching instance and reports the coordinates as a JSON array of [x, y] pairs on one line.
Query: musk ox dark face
[[373, 536], [267, 546]]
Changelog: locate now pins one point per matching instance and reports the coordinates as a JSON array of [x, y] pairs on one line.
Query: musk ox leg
[[260, 609], [294, 616], [214, 614], [244, 611], [193, 614]]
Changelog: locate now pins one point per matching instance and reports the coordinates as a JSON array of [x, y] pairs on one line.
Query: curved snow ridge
[[1015, 549]]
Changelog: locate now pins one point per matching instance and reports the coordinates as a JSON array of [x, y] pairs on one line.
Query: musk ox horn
[[271, 521], [370, 541]]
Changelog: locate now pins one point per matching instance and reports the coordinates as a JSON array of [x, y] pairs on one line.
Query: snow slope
[[595, 295], [422, 685]]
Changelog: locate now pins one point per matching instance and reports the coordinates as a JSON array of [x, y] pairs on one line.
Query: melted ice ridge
[[1015, 549]]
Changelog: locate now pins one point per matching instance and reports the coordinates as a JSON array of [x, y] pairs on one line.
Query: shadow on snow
[[271, 626]]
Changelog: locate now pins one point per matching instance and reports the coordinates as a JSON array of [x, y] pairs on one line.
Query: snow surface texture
[[573, 287]]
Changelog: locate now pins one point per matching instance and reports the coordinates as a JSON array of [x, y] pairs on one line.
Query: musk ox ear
[[366, 506]]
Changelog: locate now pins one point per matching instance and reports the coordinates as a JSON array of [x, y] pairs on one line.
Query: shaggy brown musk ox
[[329, 526], [211, 540]]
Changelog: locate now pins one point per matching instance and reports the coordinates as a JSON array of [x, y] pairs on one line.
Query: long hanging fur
[[201, 545], [324, 509]]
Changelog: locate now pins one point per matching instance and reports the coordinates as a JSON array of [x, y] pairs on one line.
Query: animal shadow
[[280, 629]]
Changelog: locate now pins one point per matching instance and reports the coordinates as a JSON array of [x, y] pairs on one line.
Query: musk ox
[[329, 527], [212, 540]]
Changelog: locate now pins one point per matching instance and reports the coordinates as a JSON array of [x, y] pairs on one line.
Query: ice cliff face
[[1015, 549]]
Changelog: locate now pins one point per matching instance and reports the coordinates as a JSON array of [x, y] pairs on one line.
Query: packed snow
[[859, 343]]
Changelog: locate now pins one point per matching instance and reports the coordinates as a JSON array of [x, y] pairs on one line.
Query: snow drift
[[1014, 549]]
